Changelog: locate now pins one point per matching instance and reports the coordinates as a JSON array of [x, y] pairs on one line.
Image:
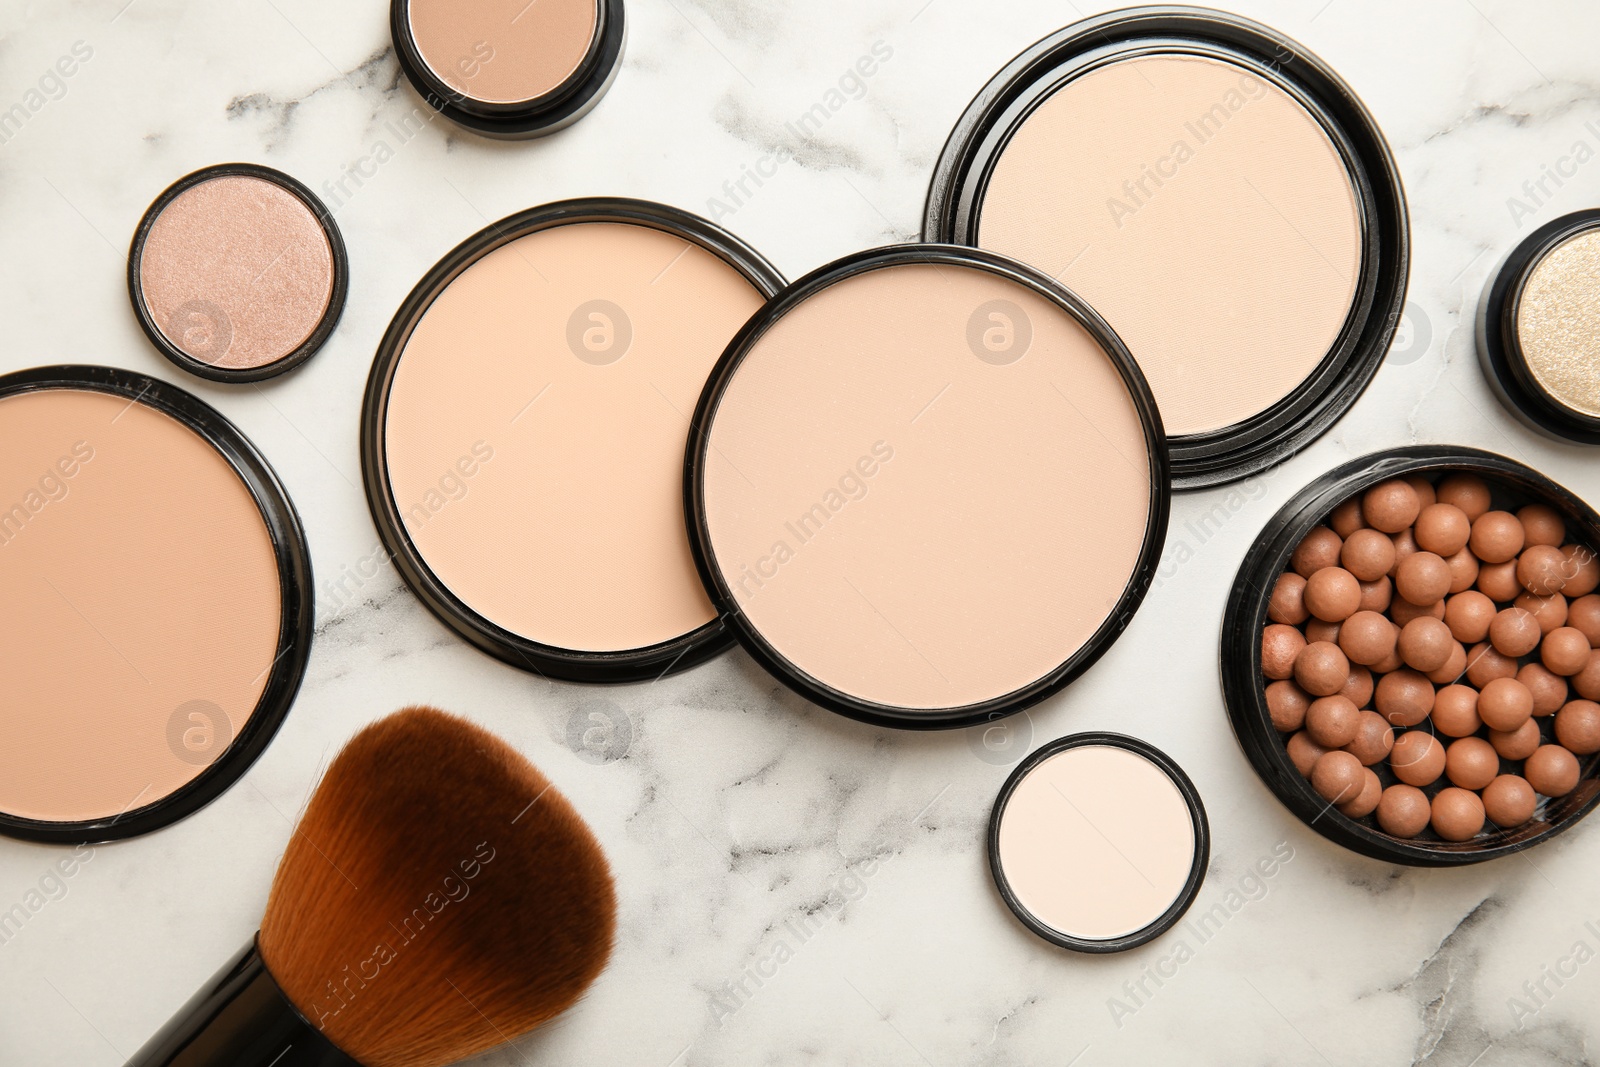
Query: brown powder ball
[[1457, 814], [1423, 579], [1404, 811], [1374, 739], [1346, 518], [1565, 651], [1367, 638], [1587, 681], [1542, 525], [1280, 646], [1337, 776], [1391, 663], [1517, 744], [1578, 727], [1443, 529], [1317, 630], [1583, 615], [1514, 633], [1287, 704], [1404, 697], [1288, 603], [1583, 570], [1417, 758], [1484, 665], [1542, 570], [1367, 554], [1332, 721], [1548, 688], [1405, 546], [1471, 763], [1552, 771], [1332, 594], [1496, 537], [1427, 496], [1464, 570], [1467, 492], [1403, 611], [1304, 753], [1499, 582], [1378, 595], [1455, 711], [1366, 801], [1509, 801], [1390, 506], [1468, 615], [1549, 611], [1505, 704], [1358, 687], [1425, 644], [1318, 549], [1454, 667], [1321, 669]]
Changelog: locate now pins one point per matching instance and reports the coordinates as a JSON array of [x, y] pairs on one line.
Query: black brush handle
[[240, 1019]]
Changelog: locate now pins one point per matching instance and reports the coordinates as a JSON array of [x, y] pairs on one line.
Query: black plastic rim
[[318, 336], [960, 183], [772, 659], [629, 665], [1197, 870], [1244, 691], [1500, 347], [294, 582], [555, 110]]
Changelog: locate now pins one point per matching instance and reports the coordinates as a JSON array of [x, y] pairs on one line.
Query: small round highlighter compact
[[927, 487], [1219, 195], [158, 604], [1098, 843], [1539, 329], [524, 430], [509, 68], [237, 273]]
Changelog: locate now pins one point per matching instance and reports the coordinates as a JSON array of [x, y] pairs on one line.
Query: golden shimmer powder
[[142, 605], [1203, 211], [504, 51], [1558, 322], [235, 272]]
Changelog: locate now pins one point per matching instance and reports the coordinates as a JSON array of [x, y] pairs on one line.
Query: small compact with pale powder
[[237, 273]]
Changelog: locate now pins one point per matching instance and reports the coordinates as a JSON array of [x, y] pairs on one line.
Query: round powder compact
[[158, 604], [1098, 843], [237, 273], [927, 487], [524, 430], [1219, 196], [1539, 329], [509, 68]]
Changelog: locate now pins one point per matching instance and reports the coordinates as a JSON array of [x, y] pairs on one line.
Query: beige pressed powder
[[504, 51], [1558, 323], [1096, 842], [143, 605], [925, 486]]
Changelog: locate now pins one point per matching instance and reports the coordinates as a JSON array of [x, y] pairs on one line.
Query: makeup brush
[[439, 898]]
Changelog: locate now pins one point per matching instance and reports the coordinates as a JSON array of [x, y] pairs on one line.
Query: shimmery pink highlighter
[[237, 273]]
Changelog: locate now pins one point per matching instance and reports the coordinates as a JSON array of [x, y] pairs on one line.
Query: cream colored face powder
[[236, 272], [504, 51], [1203, 211], [1558, 323], [142, 605], [537, 422], [926, 486], [1096, 842]]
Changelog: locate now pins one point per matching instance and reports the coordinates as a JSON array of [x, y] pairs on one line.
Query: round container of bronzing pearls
[[1411, 656]]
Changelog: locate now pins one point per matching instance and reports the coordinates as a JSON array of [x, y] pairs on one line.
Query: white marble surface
[[737, 808]]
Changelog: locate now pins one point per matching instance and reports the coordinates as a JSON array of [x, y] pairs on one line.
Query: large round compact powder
[[237, 273], [1203, 211], [525, 434], [147, 623], [1098, 842], [926, 486], [1558, 322], [504, 51]]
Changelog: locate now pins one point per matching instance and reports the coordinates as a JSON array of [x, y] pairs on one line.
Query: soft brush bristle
[[439, 897]]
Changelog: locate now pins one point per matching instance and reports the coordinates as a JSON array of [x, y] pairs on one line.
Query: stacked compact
[[925, 486]]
